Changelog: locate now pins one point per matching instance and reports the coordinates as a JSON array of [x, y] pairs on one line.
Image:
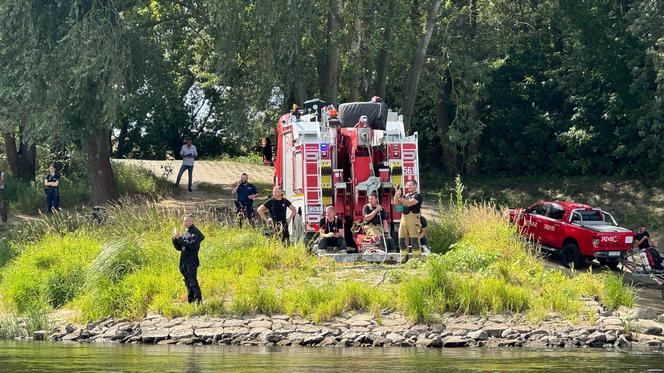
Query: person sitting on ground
[[52, 189], [424, 241], [642, 241], [277, 206], [331, 231], [246, 194], [376, 221], [266, 148]]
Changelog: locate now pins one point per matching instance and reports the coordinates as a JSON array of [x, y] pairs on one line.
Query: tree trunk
[[472, 162], [385, 52], [418, 62], [22, 158], [97, 148], [12, 152], [356, 81], [98, 163], [331, 77], [443, 121]]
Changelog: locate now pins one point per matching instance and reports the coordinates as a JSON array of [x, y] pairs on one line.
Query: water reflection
[[39, 357]]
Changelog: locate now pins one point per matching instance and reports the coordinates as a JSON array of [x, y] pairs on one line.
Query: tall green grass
[[491, 269], [127, 267]]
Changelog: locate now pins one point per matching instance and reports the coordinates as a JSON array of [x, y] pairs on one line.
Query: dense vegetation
[[510, 87], [127, 267]]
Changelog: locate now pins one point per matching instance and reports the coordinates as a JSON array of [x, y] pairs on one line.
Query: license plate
[[613, 254], [629, 239]]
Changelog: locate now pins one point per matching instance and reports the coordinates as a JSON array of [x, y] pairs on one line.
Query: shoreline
[[619, 329]]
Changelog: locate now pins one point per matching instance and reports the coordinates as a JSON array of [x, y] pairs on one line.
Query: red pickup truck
[[578, 232]]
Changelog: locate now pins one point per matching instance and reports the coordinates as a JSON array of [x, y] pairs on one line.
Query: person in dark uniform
[[3, 204], [188, 245], [424, 241], [266, 149], [52, 189], [409, 228], [277, 207], [246, 194], [331, 231]]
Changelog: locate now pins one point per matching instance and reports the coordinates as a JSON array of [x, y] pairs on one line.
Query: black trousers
[[283, 226], [338, 242], [3, 206], [52, 199], [189, 273]]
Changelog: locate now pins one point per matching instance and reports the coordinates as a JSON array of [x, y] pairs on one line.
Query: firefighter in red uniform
[[410, 227]]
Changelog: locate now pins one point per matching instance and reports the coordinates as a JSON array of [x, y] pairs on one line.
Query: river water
[[41, 357]]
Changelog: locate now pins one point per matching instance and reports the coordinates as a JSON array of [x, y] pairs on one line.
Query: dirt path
[[213, 180]]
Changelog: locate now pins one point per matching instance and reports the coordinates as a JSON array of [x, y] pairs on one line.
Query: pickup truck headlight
[[595, 242]]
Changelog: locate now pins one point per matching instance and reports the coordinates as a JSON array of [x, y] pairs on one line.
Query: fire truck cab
[[338, 156]]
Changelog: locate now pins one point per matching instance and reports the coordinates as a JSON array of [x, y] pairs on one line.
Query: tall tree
[[417, 63]]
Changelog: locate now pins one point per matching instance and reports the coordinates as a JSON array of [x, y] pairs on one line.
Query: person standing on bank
[[331, 231], [188, 245], [409, 228], [246, 194], [277, 206], [3, 205], [52, 189], [266, 148], [188, 153]]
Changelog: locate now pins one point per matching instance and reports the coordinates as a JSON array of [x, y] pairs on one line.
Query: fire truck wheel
[[571, 256]]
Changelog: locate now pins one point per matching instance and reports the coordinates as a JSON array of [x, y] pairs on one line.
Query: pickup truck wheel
[[571, 256]]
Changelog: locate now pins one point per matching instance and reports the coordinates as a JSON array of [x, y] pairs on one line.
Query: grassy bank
[[127, 267]]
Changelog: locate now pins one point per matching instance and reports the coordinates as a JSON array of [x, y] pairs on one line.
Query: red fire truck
[[337, 156]]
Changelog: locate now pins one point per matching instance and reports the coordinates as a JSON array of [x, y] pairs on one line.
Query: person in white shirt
[[188, 153]]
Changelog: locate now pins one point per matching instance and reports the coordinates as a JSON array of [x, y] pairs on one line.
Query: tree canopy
[[493, 87]]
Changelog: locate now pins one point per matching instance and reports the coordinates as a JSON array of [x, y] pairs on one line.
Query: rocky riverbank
[[623, 328]]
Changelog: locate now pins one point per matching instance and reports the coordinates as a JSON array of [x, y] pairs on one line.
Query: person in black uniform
[[331, 231], [188, 245], [246, 194], [266, 150], [424, 241], [3, 204], [277, 207], [52, 189]]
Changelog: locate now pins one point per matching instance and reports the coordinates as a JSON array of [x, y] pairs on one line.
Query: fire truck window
[[556, 213]]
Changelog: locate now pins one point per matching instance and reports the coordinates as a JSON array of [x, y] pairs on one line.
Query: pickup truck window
[[556, 213], [538, 210], [587, 216]]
